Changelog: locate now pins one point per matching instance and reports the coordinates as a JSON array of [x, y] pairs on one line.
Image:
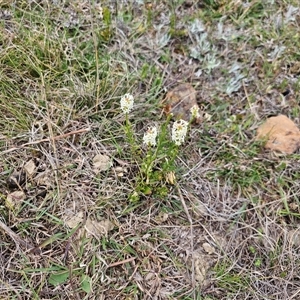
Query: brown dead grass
[[230, 228]]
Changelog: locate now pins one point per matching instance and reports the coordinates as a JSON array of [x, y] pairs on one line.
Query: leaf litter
[[92, 228], [98, 229], [30, 167], [101, 163], [14, 200]]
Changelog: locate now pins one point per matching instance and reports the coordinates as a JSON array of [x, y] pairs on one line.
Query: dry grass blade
[[18, 241], [121, 262], [186, 210], [55, 138]]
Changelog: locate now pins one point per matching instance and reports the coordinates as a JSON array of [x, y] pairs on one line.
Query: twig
[[58, 137], [121, 262]]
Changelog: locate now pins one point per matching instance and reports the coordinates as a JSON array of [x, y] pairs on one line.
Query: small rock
[[180, 100], [281, 134]]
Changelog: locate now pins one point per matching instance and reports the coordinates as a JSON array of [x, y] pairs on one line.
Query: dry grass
[[227, 230]]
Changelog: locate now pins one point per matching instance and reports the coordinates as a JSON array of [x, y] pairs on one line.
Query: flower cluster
[[179, 131], [156, 165], [127, 103], [150, 136], [195, 112]]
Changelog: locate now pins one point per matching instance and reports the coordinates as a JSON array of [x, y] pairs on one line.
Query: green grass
[[64, 68]]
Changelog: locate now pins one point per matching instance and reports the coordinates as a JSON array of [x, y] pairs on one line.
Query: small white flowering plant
[[157, 152], [179, 131], [127, 102], [150, 135]]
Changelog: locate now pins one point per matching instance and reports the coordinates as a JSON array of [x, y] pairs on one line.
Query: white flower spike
[[179, 131], [127, 103], [150, 136], [195, 112]]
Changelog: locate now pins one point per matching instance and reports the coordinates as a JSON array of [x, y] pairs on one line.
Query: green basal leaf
[[58, 277], [86, 283]]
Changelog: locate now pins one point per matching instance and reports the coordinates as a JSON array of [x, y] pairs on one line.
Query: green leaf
[[86, 283], [106, 16], [58, 278]]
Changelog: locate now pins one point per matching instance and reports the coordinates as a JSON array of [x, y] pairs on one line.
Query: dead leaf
[[101, 163], [16, 179], [208, 248], [14, 200], [149, 277], [30, 168], [201, 267], [294, 237], [120, 171], [98, 229], [75, 220], [170, 178], [161, 217], [180, 100], [281, 134], [44, 178], [207, 117]]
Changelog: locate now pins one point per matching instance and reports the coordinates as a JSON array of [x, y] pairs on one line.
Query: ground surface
[[226, 229]]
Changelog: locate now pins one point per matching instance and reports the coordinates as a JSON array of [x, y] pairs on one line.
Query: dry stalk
[[18, 241], [191, 231], [121, 262], [58, 137]]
